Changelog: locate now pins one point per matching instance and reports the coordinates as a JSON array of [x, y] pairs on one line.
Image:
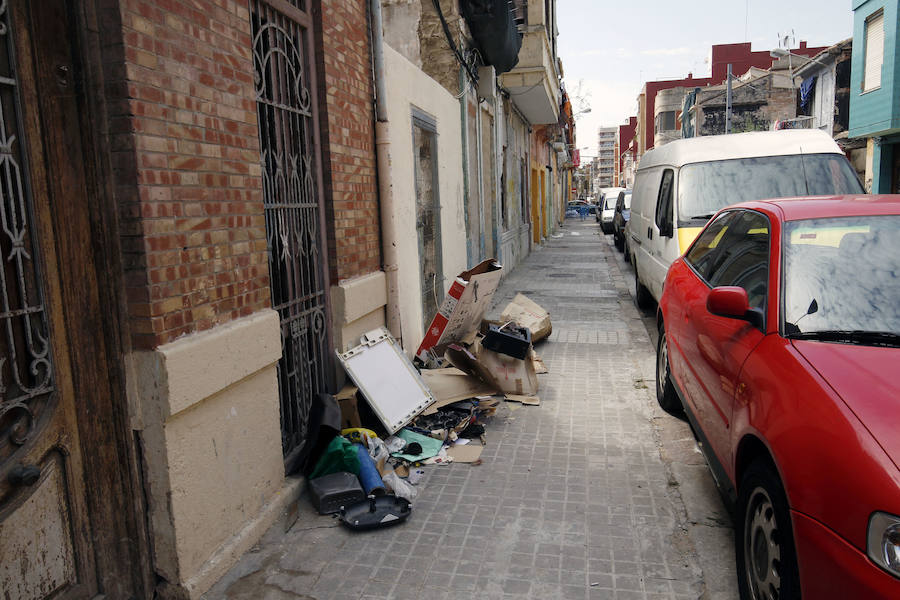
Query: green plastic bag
[[340, 455]]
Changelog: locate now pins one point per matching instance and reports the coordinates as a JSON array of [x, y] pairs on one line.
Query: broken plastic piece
[[376, 512]]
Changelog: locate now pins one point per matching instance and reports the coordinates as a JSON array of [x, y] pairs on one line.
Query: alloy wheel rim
[[662, 364], [762, 548]]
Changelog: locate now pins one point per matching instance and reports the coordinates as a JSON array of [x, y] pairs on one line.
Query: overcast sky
[[609, 49]]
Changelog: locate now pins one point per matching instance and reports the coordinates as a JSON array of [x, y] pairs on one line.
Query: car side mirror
[[732, 302]]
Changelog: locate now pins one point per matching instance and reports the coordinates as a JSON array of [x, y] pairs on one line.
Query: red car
[[780, 339]]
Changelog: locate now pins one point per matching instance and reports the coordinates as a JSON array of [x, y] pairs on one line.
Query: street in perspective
[[593, 493], [433, 299]]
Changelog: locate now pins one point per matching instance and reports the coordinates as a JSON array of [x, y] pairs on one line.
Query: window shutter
[[874, 52]]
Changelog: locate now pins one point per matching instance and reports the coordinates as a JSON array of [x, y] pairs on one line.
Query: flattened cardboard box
[[528, 313], [508, 374], [463, 307]]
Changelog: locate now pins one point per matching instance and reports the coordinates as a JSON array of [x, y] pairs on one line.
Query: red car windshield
[[842, 279]]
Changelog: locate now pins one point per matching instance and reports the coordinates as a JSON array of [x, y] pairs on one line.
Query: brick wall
[[186, 163], [350, 184]]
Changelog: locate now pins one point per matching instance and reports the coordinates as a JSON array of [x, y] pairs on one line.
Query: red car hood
[[866, 377]]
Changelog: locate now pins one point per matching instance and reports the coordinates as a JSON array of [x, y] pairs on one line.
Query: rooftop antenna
[[786, 40]]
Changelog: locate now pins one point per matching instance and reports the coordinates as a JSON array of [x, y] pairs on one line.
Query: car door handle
[[650, 233]]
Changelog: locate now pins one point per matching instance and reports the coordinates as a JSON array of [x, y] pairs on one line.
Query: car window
[[702, 252], [664, 201], [627, 201], [742, 257], [842, 274]]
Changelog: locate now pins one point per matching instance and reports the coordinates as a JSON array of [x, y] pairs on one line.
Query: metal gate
[[288, 134]]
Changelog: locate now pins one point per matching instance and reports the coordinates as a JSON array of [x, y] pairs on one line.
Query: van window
[[704, 188], [664, 203]]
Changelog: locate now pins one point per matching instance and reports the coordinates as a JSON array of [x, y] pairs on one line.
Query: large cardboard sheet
[[507, 374], [460, 314], [528, 313]]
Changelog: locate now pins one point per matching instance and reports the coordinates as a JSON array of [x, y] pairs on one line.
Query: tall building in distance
[[606, 157]]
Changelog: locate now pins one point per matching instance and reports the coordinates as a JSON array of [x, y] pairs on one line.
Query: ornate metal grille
[[26, 372], [287, 133]]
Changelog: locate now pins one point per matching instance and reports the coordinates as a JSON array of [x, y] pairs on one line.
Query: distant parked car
[[577, 208], [680, 185], [620, 218], [780, 339], [607, 206]]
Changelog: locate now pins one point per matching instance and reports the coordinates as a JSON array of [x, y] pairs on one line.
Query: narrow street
[[596, 493]]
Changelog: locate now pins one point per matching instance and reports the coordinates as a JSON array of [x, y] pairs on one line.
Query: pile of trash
[[369, 456]]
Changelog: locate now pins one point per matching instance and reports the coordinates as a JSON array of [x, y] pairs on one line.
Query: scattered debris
[[530, 400], [463, 308], [465, 453], [376, 512], [387, 379], [527, 313], [452, 385], [330, 493], [346, 399], [433, 416]]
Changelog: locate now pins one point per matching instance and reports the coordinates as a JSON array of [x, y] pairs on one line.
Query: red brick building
[[741, 58], [188, 186]]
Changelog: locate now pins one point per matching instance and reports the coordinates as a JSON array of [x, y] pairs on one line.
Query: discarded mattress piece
[[527, 313], [460, 313], [387, 379]]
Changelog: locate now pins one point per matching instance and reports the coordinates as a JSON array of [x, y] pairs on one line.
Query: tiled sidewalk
[[572, 500]]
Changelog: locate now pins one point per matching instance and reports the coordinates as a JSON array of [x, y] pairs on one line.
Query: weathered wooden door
[[53, 370]]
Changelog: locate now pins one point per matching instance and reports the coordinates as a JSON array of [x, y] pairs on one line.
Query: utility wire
[[459, 57]]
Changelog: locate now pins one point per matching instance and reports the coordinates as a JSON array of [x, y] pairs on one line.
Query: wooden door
[[67, 523]]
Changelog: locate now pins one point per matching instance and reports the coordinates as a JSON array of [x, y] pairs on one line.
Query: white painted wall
[[408, 87]]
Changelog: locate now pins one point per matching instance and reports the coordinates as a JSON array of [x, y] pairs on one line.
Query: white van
[[606, 208], [679, 186]]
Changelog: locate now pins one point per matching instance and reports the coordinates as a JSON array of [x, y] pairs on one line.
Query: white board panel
[[388, 380]]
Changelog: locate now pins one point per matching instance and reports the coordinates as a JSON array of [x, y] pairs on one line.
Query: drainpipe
[[479, 150], [390, 255], [498, 164], [464, 120]]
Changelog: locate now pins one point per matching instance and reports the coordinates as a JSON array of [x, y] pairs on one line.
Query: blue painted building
[[875, 91]]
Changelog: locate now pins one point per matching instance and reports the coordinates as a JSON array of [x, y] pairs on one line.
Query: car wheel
[[619, 241], [665, 389], [642, 296], [626, 249], [764, 541]]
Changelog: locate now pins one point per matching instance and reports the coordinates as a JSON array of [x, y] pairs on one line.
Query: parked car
[[620, 217], [607, 206], [780, 340], [680, 185]]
